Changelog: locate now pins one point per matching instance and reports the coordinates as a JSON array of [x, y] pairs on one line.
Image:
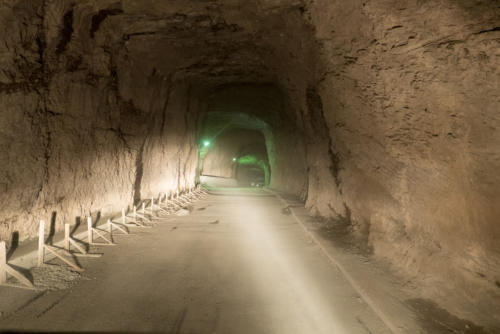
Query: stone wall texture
[[383, 114], [411, 101], [83, 129]]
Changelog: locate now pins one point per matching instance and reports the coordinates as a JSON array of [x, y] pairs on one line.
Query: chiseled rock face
[[24, 156], [83, 129], [410, 95], [383, 112]]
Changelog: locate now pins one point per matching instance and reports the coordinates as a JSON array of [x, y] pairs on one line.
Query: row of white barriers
[[144, 217]]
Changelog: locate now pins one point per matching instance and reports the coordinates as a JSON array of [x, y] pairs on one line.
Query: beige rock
[[381, 113]]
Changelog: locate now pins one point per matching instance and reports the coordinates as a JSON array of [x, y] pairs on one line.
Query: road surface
[[236, 264]]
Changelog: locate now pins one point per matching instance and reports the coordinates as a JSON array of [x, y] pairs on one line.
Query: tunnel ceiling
[[215, 42], [244, 106], [215, 123], [263, 101]]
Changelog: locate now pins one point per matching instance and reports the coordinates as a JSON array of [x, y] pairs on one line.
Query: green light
[[206, 143]]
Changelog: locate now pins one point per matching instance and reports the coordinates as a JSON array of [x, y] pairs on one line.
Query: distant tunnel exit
[[239, 154]]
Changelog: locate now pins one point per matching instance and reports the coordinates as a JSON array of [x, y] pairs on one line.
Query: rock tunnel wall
[[83, 129], [409, 93], [387, 116]]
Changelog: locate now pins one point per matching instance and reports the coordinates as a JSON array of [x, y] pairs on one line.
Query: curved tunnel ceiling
[[250, 106], [214, 42], [216, 123]]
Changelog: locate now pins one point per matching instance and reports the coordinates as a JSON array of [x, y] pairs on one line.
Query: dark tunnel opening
[[236, 154], [250, 175]]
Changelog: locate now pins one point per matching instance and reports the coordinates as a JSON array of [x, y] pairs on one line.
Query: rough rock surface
[[410, 98], [381, 113], [83, 129]]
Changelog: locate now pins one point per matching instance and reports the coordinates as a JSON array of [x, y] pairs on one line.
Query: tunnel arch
[[250, 170], [373, 115], [255, 156], [257, 107], [232, 148]]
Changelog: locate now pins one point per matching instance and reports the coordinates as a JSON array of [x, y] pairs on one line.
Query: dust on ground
[[54, 277]]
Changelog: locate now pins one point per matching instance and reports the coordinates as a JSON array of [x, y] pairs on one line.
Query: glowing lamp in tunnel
[[234, 159], [206, 143]]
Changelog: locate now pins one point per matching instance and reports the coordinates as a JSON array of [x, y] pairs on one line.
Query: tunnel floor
[[235, 265]]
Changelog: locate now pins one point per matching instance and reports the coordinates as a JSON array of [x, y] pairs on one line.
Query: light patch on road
[[295, 303]]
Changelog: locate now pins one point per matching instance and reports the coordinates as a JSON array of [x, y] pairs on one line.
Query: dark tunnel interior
[[379, 118]]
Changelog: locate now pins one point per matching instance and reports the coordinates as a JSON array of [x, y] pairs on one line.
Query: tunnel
[[281, 166], [238, 154]]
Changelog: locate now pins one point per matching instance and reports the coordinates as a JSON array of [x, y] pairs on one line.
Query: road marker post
[[68, 241], [42, 247], [3, 262], [148, 210], [41, 243], [165, 205], [157, 207], [117, 226], [175, 204], [133, 218], [140, 216], [6, 269], [127, 220], [99, 234]]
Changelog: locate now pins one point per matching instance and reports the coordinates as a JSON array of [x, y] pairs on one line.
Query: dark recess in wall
[[138, 174], [98, 18], [315, 107], [66, 32], [334, 165], [320, 128]]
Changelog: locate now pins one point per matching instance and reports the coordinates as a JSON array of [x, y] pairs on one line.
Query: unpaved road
[[237, 264]]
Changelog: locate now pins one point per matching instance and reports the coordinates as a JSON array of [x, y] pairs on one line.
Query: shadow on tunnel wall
[[99, 164]]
